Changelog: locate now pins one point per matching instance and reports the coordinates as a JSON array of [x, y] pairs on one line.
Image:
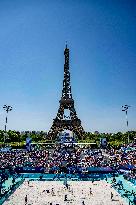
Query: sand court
[[56, 193]]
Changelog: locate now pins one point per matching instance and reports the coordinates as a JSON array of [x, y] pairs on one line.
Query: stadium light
[[7, 108], [125, 109]]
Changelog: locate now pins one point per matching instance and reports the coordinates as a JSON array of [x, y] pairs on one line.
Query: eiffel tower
[[62, 122]]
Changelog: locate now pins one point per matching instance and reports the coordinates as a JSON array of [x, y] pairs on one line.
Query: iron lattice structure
[[62, 122]]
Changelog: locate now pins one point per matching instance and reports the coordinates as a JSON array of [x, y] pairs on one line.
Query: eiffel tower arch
[[70, 122]]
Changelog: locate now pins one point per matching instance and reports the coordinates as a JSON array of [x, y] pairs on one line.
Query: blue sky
[[101, 38]]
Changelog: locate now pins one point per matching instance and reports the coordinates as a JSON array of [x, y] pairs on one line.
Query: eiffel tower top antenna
[[66, 44]]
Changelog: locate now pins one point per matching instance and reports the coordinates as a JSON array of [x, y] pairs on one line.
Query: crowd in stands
[[124, 159], [63, 158]]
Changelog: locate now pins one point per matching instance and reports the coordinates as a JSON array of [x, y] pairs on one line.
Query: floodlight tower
[[7, 108], [125, 109]]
